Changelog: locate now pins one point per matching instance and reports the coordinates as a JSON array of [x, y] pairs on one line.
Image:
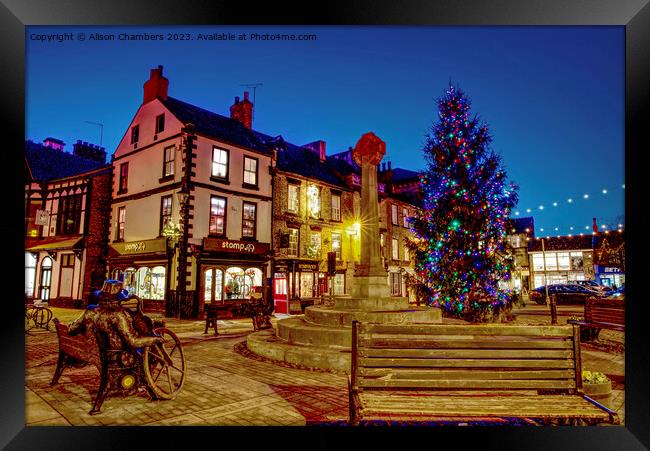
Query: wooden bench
[[458, 373], [601, 314], [83, 349]]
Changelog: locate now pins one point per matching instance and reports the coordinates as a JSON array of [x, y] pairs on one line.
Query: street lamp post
[[551, 303]]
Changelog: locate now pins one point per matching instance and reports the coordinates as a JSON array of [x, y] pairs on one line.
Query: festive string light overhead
[[570, 200]]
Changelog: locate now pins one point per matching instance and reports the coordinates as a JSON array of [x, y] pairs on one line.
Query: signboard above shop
[[139, 247], [235, 246]]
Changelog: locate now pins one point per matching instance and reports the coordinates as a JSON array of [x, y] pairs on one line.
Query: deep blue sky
[[553, 97]]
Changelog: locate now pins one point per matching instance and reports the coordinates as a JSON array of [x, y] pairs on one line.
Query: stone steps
[[264, 343], [328, 316], [378, 303], [298, 331]]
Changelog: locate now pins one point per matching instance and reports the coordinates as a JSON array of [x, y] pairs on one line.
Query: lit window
[[217, 215], [314, 245], [293, 243], [68, 215], [405, 217], [248, 220], [393, 216], [293, 192], [407, 255], [168, 161], [250, 171], [395, 284], [395, 248], [165, 211], [219, 163], [160, 123], [538, 262], [551, 262], [563, 262], [124, 177], [336, 207], [313, 201], [336, 244], [121, 217]]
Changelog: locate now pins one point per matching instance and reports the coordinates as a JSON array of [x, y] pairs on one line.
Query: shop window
[[129, 281], [538, 262], [307, 289], [213, 285], [339, 284], [145, 282], [121, 218], [395, 284], [240, 282], [292, 251], [30, 273], [336, 207], [250, 171], [577, 262], [563, 263], [249, 220], [168, 161], [538, 280], [219, 163], [217, 215], [336, 244], [551, 261], [293, 196]]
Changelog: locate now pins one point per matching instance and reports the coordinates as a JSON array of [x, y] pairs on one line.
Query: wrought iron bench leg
[[60, 364], [101, 393]]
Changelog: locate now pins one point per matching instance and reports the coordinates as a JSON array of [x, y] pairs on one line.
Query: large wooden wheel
[[164, 365]]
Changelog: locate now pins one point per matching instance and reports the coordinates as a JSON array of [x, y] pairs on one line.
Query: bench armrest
[[613, 416], [353, 400]]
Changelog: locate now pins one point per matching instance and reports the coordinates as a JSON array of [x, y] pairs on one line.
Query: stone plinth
[[323, 336]]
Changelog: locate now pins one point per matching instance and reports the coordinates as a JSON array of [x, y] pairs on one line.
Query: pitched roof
[[562, 243], [305, 162], [217, 126], [400, 175], [49, 164]]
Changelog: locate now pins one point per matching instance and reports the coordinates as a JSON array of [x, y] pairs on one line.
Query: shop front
[[297, 283], [230, 270], [143, 266], [610, 276]]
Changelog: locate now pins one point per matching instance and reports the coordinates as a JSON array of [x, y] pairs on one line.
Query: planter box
[[599, 392]]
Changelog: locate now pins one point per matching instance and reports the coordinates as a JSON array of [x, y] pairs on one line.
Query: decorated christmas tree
[[461, 231]]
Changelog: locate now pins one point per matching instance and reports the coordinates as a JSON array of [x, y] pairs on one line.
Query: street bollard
[[553, 309]]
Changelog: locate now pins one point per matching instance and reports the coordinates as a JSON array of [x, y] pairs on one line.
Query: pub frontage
[[230, 270]]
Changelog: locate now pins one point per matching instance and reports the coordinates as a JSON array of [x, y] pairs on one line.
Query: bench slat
[[464, 384], [468, 353], [550, 406], [399, 373], [466, 363], [452, 329], [470, 343]]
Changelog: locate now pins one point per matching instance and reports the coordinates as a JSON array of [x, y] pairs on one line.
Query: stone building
[[67, 204], [520, 233]]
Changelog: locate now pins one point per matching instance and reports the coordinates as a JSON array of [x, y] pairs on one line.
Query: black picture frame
[[634, 15]]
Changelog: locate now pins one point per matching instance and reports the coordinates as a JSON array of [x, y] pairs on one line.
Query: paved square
[[226, 386]]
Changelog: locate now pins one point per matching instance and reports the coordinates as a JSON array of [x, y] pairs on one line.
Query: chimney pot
[[389, 166], [245, 95], [242, 111], [236, 99]]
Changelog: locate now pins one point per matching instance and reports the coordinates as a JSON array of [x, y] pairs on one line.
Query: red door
[[280, 298]]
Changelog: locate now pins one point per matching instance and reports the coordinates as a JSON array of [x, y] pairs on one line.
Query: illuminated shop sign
[[234, 246]]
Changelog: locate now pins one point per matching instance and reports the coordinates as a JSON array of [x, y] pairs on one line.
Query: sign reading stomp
[[238, 247]]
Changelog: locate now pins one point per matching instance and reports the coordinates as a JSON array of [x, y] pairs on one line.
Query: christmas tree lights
[[461, 231]]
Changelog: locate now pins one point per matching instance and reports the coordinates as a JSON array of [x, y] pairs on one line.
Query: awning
[[55, 245]]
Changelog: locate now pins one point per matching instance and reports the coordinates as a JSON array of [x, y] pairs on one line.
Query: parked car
[[619, 293], [566, 293], [592, 284]]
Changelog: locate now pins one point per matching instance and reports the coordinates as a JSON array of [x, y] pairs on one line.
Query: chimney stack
[[54, 143], [89, 151], [595, 226], [242, 111], [156, 87]]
